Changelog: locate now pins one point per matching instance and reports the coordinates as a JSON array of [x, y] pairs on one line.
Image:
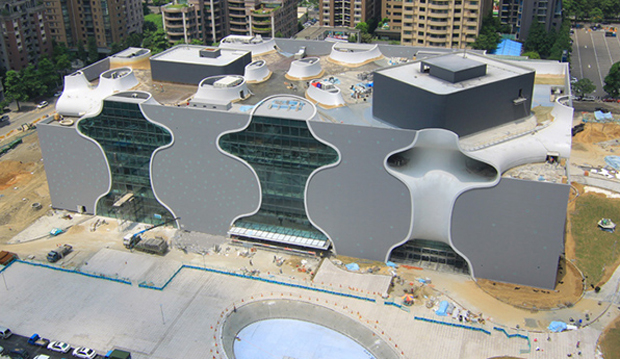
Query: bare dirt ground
[[568, 291], [586, 151], [22, 183]]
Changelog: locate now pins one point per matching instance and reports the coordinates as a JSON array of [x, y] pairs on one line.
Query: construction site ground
[[157, 324]]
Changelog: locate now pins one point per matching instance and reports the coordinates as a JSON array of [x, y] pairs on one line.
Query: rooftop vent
[[210, 52], [453, 68]]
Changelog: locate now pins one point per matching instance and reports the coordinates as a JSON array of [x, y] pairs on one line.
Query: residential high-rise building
[[25, 34], [188, 20], [263, 17], [520, 14], [107, 21], [348, 13], [441, 23]]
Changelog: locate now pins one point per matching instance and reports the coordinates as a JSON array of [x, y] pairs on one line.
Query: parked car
[[36, 339], [5, 332], [59, 347], [1, 350], [42, 356], [588, 98], [42, 104], [84, 353], [20, 353]]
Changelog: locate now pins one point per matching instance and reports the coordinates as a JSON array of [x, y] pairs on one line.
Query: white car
[[42, 104], [59, 347], [42, 356], [84, 353]]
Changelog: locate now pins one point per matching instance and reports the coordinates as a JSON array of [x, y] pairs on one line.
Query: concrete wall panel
[[363, 209], [204, 187], [77, 173], [516, 233]]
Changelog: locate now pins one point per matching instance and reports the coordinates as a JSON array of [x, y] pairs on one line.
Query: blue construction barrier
[[457, 325], [272, 281], [6, 266], [517, 335], [100, 276]]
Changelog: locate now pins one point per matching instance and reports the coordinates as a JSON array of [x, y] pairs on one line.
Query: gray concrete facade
[[516, 232], [511, 232], [363, 208], [411, 107], [77, 171]]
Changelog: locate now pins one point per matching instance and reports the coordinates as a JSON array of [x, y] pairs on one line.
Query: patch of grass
[[594, 249], [156, 19], [610, 343]]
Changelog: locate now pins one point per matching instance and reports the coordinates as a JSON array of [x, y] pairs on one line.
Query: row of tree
[[34, 81], [594, 10], [548, 45]]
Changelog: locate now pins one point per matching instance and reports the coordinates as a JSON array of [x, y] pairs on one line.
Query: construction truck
[[130, 241]]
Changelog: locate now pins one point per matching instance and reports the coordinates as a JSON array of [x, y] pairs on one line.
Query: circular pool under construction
[[283, 328]]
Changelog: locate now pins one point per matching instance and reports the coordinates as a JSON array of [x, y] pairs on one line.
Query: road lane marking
[[597, 63], [579, 56]]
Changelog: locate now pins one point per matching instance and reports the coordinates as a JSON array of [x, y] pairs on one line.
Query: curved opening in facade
[[417, 162], [128, 141], [116, 73], [296, 329], [256, 64], [427, 254]]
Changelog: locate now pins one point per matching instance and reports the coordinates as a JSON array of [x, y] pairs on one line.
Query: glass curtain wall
[[283, 153], [128, 141]]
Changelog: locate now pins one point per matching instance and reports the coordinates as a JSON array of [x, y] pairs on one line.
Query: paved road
[[28, 114], [592, 57]]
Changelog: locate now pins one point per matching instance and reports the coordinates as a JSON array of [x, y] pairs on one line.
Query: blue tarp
[[443, 308], [613, 161], [391, 264], [353, 266], [600, 115], [508, 47], [557, 327]]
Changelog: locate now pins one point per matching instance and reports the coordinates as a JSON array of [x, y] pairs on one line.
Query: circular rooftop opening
[[295, 329]]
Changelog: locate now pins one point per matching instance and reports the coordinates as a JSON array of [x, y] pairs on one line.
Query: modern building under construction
[[384, 153]]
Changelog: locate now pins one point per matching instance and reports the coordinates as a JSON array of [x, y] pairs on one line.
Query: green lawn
[[595, 249], [610, 344], [156, 19]]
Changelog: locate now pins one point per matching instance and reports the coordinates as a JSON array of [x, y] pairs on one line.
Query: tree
[[362, 27], [156, 41], [149, 26], [15, 88], [583, 87], [81, 53], [352, 38], [366, 38], [538, 40], [532, 55], [46, 71], [63, 64], [93, 51], [34, 83], [612, 80], [279, 34], [489, 36], [596, 14]]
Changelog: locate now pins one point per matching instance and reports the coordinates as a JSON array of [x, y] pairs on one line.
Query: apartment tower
[[348, 13], [263, 17], [25, 34], [107, 21], [440, 23], [203, 20], [520, 14]]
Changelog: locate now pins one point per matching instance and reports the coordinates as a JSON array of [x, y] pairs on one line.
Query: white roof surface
[[410, 73], [191, 54]]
